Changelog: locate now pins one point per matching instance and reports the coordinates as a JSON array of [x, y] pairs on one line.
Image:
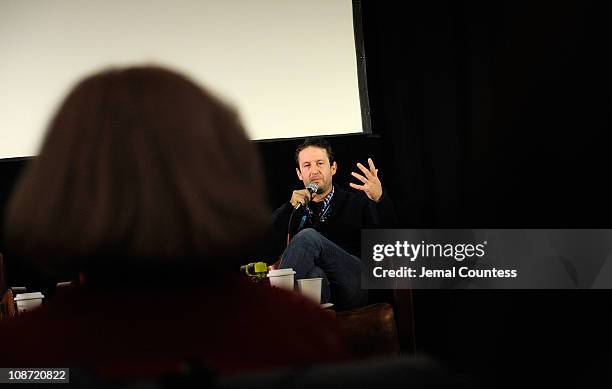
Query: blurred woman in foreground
[[147, 185]]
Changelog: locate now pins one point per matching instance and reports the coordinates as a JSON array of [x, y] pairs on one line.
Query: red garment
[[143, 334]]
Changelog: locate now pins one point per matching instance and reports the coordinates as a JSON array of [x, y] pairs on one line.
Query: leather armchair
[[370, 331]]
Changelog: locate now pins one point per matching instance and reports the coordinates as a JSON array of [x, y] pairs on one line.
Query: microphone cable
[[312, 188]]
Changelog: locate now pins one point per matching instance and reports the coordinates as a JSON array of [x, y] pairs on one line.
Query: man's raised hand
[[371, 185]]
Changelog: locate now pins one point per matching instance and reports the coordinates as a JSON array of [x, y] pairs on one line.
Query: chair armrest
[[369, 331]]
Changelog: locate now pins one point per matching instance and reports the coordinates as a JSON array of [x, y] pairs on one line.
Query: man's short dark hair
[[315, 142]]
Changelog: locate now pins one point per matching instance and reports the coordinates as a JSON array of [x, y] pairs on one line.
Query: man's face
[[314, 167]]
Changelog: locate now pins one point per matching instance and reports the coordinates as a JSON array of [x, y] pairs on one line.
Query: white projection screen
[[288, 66]]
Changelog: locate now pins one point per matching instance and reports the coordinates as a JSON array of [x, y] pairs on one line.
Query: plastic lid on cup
[[29, 296], [281, 272], [308, 280]]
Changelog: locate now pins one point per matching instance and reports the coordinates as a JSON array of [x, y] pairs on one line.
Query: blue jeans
[[312, 255]]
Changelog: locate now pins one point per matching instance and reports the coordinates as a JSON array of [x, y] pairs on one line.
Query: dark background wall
[[497, 114], [486, 114], [10, 169]]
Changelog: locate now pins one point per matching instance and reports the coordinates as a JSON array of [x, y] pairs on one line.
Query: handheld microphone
[[312, 188]]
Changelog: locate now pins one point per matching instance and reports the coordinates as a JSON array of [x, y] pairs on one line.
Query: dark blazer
[[350, 213]]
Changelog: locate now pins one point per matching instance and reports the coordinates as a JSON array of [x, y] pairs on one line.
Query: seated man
[[324, 238]]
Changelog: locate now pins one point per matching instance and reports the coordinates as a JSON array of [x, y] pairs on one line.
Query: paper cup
[[282, 278], [28, 301], [311, 288]]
